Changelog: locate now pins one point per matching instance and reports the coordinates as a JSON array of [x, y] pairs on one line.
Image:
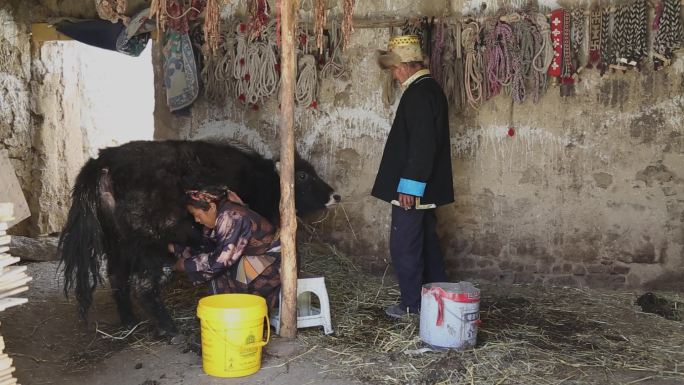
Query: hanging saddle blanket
[[180, 70], [133, 39]]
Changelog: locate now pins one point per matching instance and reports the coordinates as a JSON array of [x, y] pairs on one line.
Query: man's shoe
[[396, 311]]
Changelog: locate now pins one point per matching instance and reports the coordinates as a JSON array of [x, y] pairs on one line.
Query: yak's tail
[[81, 243]]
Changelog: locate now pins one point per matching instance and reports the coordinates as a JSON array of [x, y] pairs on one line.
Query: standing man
[[415, 172]]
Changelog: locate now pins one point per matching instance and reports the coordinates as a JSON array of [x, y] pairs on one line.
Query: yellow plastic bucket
[[232, 330]]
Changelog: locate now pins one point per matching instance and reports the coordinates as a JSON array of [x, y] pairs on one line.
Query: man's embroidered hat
[[401, 49]]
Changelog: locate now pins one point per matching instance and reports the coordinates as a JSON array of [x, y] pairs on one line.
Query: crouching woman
[[240, 252]]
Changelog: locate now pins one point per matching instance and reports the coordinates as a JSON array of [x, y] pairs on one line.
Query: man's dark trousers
[[415, 251]]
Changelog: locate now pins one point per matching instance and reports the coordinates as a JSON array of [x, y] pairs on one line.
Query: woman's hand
[[180, 265]]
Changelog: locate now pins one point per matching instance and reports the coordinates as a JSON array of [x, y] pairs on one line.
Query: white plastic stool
[[307, 315]]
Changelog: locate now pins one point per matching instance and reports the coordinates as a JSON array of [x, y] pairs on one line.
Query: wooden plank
[[5, 361], [7, 371], [13, 292], [5, 240], [6, 303], [12, 271], [42, 32], [288, 221], [17, 282], [6, 211], [10, 190], [10, 381], [6, 260]]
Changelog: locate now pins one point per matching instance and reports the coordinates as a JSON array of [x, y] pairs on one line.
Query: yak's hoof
[[168, 332], [177, 339], [129, 324]]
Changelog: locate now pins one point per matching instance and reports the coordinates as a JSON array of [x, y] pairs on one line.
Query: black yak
[[127, 207]]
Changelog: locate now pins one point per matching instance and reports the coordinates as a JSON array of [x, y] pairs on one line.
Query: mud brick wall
[[587, 192]]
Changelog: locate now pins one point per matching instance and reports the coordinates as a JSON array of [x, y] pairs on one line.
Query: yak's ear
[[277, 166]]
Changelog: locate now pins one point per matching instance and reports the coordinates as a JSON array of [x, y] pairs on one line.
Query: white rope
[[253, 64], [334, 66], [474, 89], [305, 89], [224, 69], [542, 60], [268, 75], [240, 65]]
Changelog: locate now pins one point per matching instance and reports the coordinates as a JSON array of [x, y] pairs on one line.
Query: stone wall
[[16, 129], [59, 103], [588, 191]]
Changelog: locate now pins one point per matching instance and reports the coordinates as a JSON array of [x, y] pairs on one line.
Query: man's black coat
[[417, 151]]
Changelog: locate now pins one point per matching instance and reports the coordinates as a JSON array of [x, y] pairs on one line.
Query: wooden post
[[288, 220]]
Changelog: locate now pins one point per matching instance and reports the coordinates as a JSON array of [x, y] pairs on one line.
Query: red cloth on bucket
[[441, 294]]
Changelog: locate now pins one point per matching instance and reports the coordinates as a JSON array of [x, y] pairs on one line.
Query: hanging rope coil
[[473, 72], [217, 71], [307, 81], [212, 24], [530, 42], [240, 64], [334, 67], [452, 66], [499, 62], [319, 23], [347, 22], [158, 11], [436, 52], [544, 56]]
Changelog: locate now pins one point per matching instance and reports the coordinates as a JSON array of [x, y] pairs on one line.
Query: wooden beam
[[42, 32], [288, 220]]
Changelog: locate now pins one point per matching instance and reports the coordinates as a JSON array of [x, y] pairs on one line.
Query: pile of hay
[[529, 334]]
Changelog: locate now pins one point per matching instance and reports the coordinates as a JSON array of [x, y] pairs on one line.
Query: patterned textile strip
[[557, 39], [620, 32], [669, 34], [641, 49], [594, 39], [606, 41], [630, 18], [578, 29], [566, 70], [567, 81]]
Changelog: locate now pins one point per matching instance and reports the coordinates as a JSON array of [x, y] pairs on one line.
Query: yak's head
[[311, 192]]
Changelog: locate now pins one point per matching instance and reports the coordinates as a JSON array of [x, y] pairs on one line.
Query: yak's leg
[[119, 278], [148, 275], [148, 290]]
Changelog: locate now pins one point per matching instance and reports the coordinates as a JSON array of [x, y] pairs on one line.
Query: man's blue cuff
[[411, 187]]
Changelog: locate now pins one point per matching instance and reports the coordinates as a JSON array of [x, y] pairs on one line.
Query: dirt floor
[[529, 335], [50, 345]]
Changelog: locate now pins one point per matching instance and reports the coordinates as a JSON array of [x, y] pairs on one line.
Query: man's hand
[[406, 201]]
